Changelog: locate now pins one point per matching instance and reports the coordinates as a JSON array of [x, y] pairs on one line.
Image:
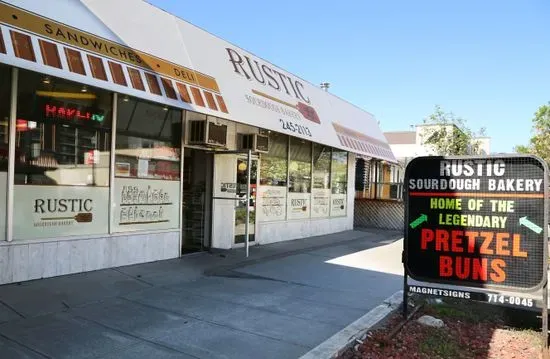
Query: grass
[[439, 343]]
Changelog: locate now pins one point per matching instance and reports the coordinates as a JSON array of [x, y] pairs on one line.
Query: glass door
[[242, 203]]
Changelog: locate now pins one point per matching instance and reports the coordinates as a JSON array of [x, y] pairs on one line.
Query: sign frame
[[482, 291], [470, 284]]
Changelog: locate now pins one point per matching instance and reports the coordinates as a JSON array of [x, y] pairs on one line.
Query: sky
[[486, 61]]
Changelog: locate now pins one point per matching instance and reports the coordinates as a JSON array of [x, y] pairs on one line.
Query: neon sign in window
[[70, 113]]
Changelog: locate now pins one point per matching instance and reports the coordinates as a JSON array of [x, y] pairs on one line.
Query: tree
[[449, 135], [539, 144]]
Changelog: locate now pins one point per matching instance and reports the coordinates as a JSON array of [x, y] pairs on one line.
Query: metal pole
[[112, 157], [247, 230], [11, 155]]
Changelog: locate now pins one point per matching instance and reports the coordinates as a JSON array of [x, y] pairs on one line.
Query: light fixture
[[125, 99], [46, 80], [165, 108], [74, 95], [84, 89]]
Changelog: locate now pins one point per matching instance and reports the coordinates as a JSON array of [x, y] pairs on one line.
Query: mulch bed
[[472, 330]]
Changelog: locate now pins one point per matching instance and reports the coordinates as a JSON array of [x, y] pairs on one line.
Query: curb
[[344, 339]]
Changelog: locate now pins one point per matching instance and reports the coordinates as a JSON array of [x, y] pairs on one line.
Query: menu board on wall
[[142, 204], [58, 211], [271, 203], [3, 183], [298, 205], [320, 206], [338, 205]]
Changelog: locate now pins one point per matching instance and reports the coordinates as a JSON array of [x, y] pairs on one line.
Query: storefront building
[[125, 136]]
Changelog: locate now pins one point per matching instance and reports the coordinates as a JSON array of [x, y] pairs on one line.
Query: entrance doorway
[[196, 200], [242, 203]]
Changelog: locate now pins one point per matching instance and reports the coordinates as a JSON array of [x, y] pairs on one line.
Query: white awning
[[151, 54]]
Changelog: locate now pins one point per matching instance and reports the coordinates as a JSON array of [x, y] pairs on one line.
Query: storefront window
[[299, 170], [321, 166], [272, 192], [63, 132], [147, 166], [339, 183], [339, 174], [299, 176], [5, 92], [320, 206], [61, 158], [273, 169]]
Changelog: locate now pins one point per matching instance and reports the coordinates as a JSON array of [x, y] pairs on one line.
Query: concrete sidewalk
[[281, 302]]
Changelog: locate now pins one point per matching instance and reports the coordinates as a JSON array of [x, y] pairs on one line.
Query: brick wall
[[384, 214]]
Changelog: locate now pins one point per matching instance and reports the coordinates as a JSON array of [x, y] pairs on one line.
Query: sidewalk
[[282, 301]]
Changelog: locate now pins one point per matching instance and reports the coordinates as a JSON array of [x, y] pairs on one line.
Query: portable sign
[[477, 221]]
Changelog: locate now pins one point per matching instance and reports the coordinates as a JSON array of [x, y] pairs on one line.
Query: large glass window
[[273, 169], [148, 142], [320, 194], [5, 95], [339, 173], [299, 170], [321, 166], [62, 158], [272, 192], [339, 183], [147, 166], [63, 132], [299, 177]]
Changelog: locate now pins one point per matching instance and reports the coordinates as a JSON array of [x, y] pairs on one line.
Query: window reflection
[[62, 132], [148, 140], [273, 168], [339, 173], [321, 166], [299, 171]]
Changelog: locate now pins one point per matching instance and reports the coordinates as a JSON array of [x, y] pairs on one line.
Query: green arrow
[[423, 218], [527, 223]]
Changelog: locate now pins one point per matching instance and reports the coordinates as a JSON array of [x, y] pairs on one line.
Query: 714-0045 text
[[506, 299]]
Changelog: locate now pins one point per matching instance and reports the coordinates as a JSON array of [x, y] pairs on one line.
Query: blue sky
[[487, 61]]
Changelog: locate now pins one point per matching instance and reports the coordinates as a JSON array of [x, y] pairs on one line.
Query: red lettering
[[497, 266], [426, 235], [61, 112], [456, 241], [462, 268], [441, 240], [71, 112], [445, 266], [480, 269], [471, 240], [51, 110]]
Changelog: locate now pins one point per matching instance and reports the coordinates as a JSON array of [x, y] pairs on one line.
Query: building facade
[[128, 135]]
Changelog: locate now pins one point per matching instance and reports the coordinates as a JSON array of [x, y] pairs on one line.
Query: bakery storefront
[[118, 149]]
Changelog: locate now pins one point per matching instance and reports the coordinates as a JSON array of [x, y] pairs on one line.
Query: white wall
[[34, 259]]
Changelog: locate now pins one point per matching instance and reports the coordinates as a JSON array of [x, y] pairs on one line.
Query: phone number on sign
[[505, 299], [296, 128]]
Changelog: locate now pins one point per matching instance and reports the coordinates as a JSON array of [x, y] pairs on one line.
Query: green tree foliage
[[539, 144], [449, 135]]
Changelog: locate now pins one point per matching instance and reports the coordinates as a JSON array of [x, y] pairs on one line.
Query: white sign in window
[[271, 203], [57, 211], [145, 204]]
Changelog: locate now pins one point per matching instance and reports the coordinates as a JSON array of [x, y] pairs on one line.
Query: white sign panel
[[271, 203], [142, 204], [338, 205], [3, 187], [320, 206], [57, 211], [299, 206]]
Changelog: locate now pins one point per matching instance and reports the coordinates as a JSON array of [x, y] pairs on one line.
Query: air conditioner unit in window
[[207, 133], [254, 142]]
